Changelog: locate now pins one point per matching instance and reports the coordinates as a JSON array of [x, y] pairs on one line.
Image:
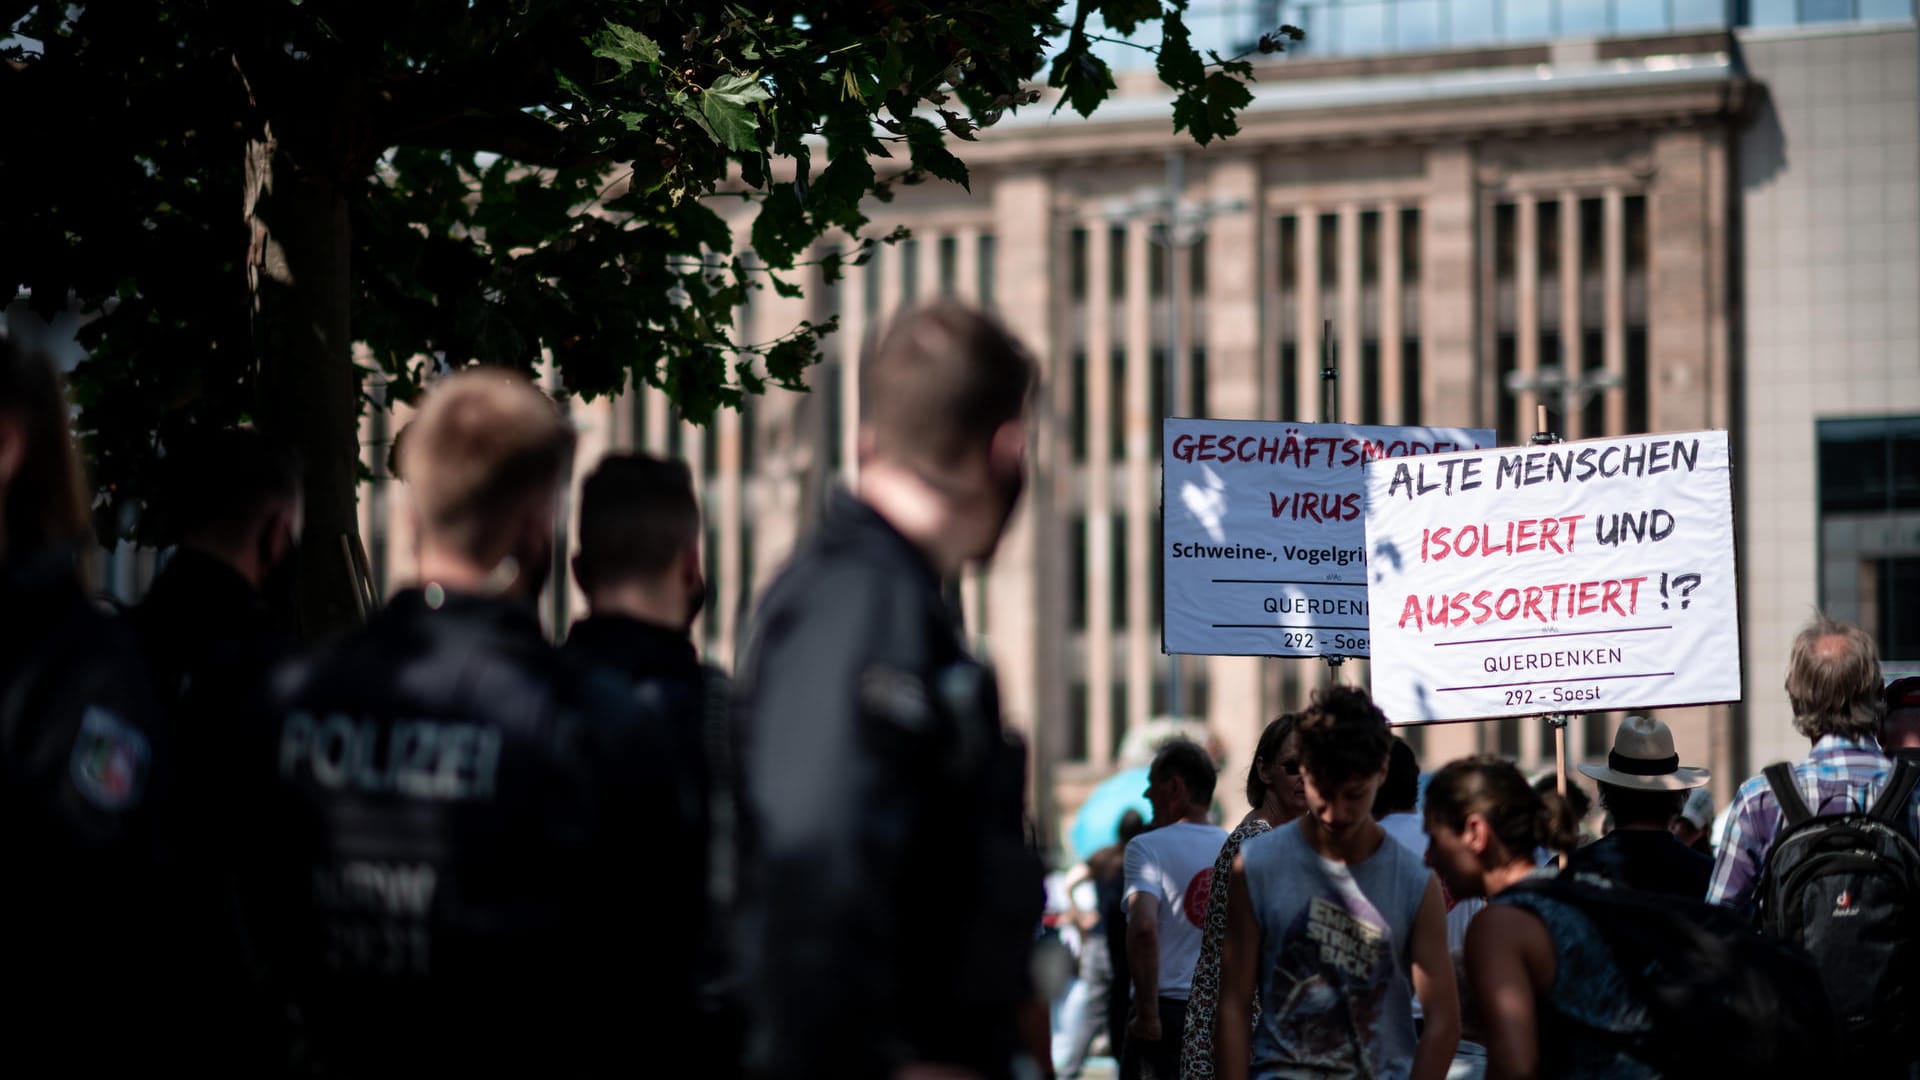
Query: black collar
[[634, 647]]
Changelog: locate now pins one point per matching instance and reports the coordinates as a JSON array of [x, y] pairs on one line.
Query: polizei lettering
[[416, 758]]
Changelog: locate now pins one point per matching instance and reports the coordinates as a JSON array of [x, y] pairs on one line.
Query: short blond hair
[[1833, 680], [485, 442]]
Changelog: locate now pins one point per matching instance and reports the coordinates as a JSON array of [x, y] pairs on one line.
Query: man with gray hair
[[1833, 683]]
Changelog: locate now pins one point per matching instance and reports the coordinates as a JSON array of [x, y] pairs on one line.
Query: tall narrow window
[[1329, 252], [1410, 380], [1369, 382], [1117, 570], [1077, 720], [1117, 405], [1287, 277], [1410, 245], [1637, 418], [1117, 262], [1077, 573], [949, 265], [988, 249], [710, 446], [1077, 264], [1369, 247], [1506, 361], [1410, 315], [909, 270], [1077, 423]]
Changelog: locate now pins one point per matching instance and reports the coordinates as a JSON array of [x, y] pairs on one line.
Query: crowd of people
[[1354, 926], [441, 844]]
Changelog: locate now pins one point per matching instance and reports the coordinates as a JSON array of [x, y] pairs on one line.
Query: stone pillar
[[1393, 409], [1099, 557], [1347, 331], [1139, 490], [1687, 341], [1022, 210], [1449, 308], [1236, 706], [1449, 386]]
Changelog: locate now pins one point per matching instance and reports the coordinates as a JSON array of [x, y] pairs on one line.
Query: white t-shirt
[[1174, 865]]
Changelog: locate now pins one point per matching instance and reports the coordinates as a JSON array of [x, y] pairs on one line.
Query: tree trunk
[[297, 269]]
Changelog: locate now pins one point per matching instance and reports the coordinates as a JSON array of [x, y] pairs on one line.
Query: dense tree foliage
[[236, 190]]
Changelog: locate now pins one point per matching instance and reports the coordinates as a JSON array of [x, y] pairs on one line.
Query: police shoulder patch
[[110, 759]]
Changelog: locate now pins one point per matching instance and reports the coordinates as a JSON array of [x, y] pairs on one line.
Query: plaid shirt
[[1840, 776]]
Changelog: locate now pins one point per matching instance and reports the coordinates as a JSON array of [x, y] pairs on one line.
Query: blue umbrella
[[1098, 822]]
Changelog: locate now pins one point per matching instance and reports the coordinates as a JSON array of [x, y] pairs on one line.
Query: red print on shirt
[[1194, 904]]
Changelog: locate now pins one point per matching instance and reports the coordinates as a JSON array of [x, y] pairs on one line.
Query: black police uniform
[[690, 699], [209, 640], [202, 621], [893, 894], [81, 755], [459, 877]]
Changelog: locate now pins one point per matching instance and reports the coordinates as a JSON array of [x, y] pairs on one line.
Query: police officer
[[894, 899], [458, 876], [80, 746], [232, 504], [639, 566]]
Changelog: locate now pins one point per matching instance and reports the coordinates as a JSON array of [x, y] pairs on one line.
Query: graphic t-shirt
[[1336, 983], [1174, 865]]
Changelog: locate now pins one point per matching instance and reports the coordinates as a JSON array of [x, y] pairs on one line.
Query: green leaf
[[840, 187], [626, 46], [1086, 78], [1179, 64], [728, 108], [1226, 96], [929, 152], [781, 229], [1122, 16]]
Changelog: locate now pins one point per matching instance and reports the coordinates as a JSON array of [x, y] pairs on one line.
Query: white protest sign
[[1575, 577], [1265, 532]]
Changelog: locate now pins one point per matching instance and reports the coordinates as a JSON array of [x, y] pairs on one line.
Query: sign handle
[[1334, 660], [1558, 721]]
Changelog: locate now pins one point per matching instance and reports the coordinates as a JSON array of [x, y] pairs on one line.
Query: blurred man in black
[[459, 834], [232, 501], [81, 764], [639, 565], [894, 900]]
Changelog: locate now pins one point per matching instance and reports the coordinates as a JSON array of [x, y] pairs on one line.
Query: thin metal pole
[[1329, 376], [1329, 414], [1176, 184]]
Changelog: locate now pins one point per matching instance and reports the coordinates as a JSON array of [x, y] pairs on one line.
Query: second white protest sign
[[1577, 577]]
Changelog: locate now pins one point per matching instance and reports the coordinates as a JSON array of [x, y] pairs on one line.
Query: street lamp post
[[1572, 393]]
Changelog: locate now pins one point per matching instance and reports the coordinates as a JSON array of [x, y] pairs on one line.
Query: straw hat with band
[[1643, 758]]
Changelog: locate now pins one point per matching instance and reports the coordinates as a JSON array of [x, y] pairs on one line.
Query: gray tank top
[[1335, 974]]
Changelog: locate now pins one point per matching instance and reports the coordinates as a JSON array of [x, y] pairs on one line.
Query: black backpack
[[1722, 998], [1846, 887]]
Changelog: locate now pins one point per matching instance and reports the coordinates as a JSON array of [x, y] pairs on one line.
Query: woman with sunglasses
[[1278, 794]]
